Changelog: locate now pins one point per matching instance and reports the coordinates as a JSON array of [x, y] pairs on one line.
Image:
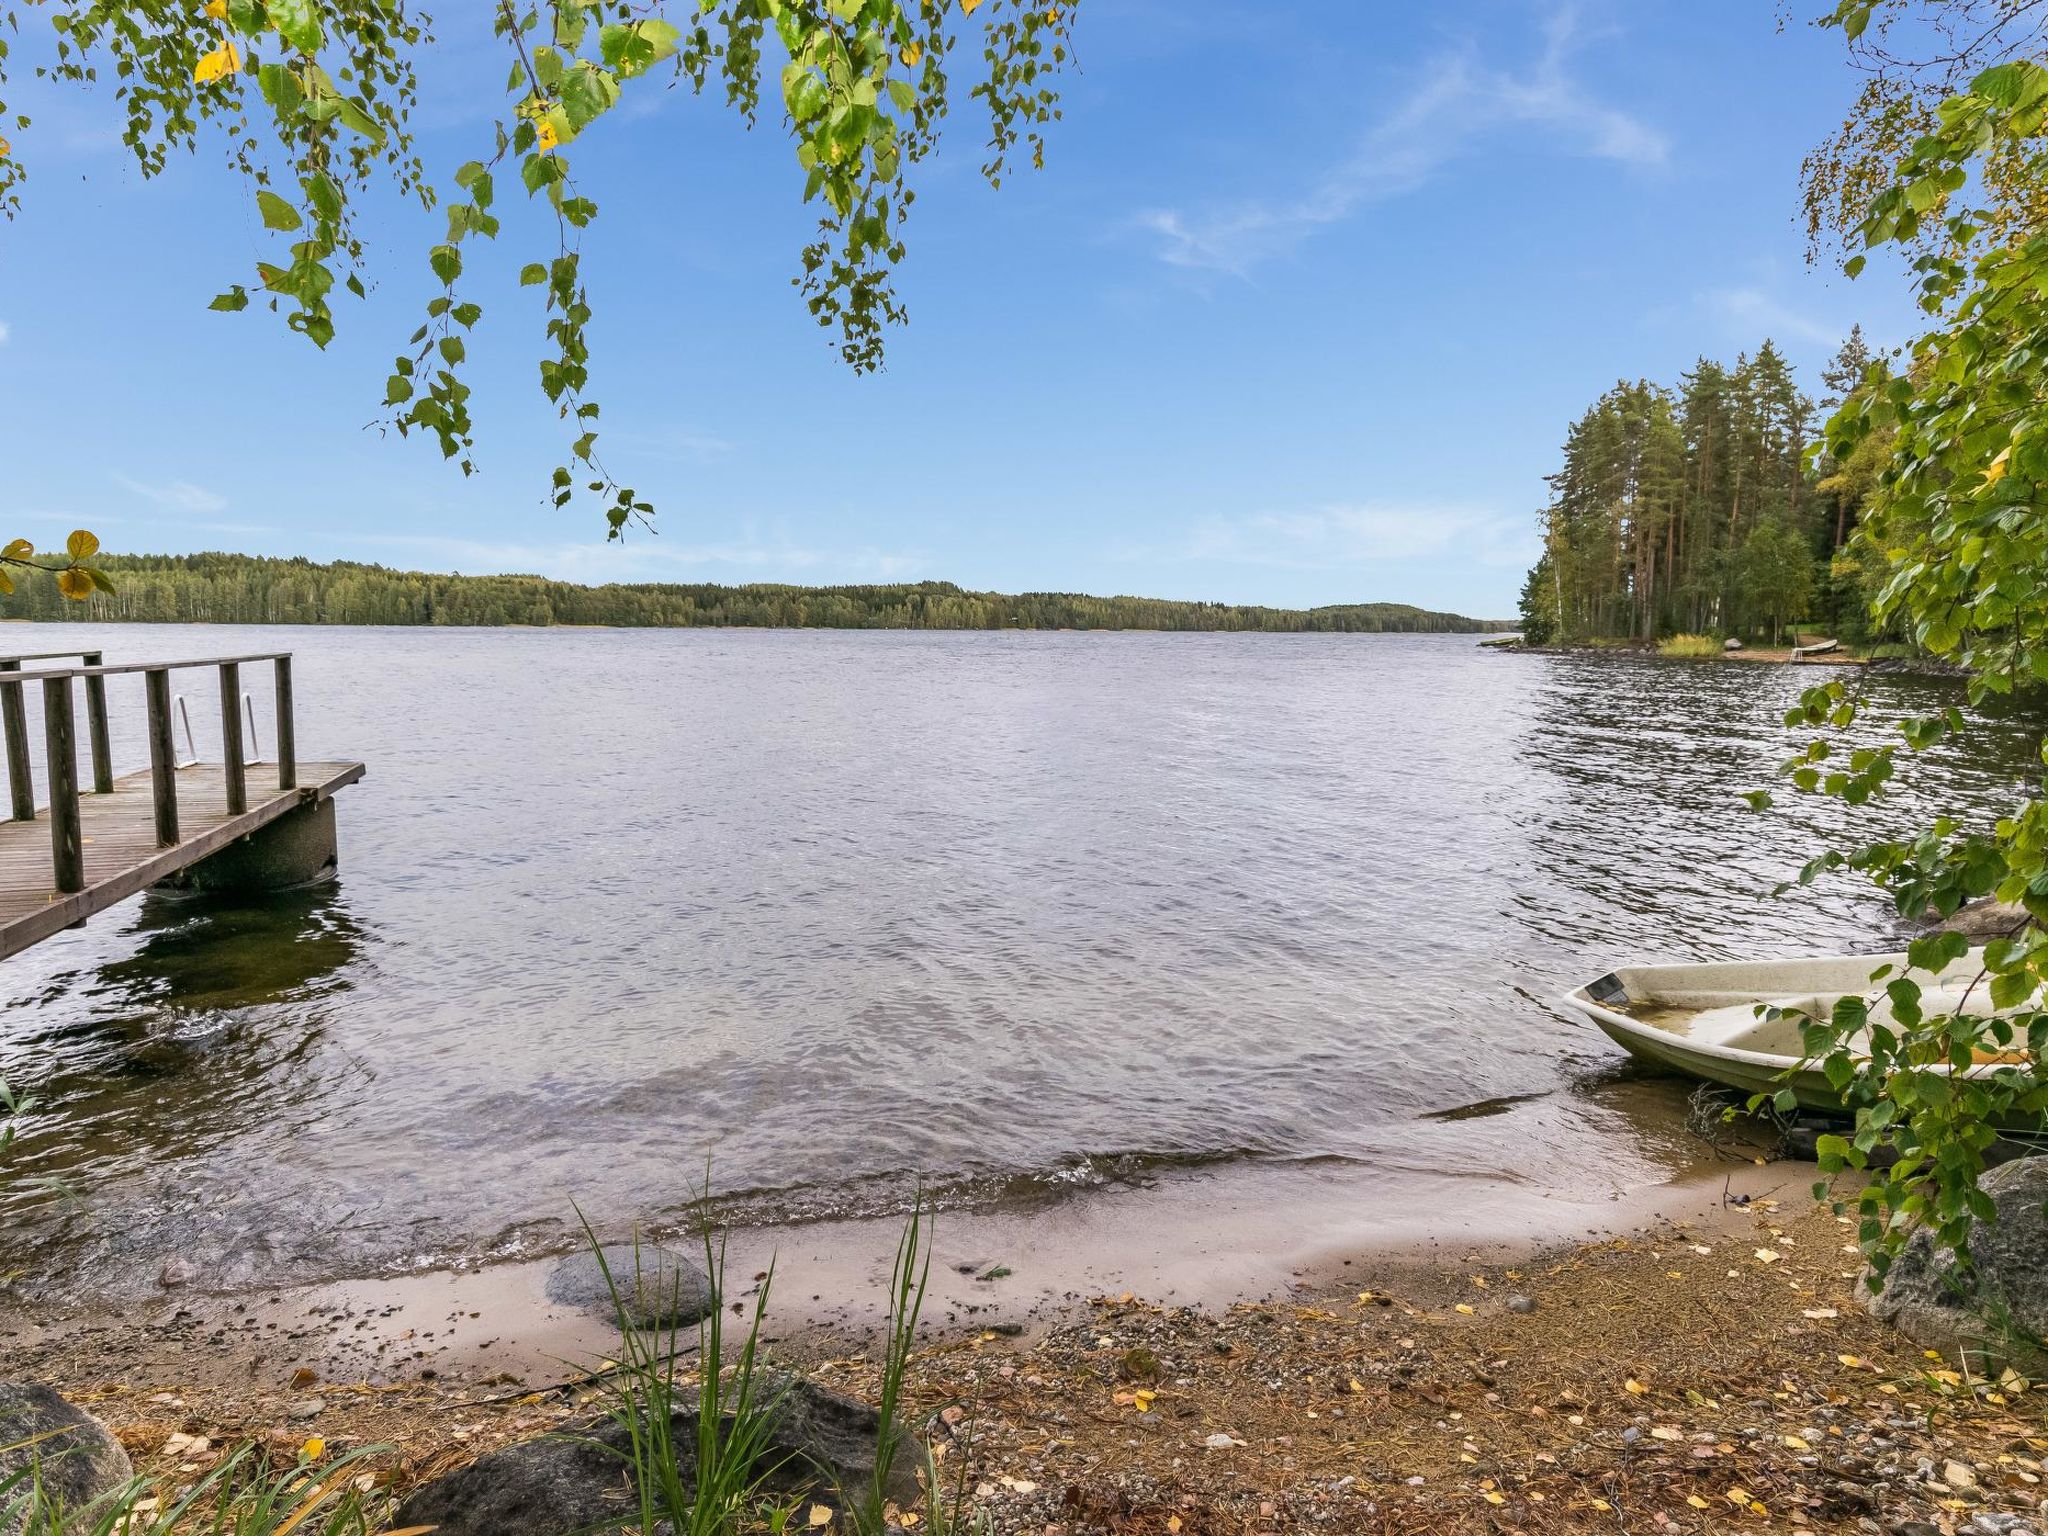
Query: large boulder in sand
[[77, 1462], [655, 1287], [1998, 1310], [569, 1483]]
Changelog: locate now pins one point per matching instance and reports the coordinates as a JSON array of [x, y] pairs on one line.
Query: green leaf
[[297, 22], [236, 298], [277, 213]]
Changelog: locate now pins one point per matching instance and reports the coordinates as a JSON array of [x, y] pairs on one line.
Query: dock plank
[[118, 833]]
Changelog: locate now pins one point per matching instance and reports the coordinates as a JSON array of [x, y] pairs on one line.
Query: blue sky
[[1297, 313]]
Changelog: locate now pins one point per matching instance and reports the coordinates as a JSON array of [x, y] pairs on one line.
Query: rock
[[2000, 1312], [1981, 921], [576, 1481], [306, 1408], [1731, 644], [78, 1460], [1522, 1304], [656, 1287], [178, 1270]]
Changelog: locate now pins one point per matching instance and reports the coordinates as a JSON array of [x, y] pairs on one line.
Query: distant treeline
[[250, 589]]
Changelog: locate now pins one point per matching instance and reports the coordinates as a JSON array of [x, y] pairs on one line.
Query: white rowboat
[[1709, 1021]]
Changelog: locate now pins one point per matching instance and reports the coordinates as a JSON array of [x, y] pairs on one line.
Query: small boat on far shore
[[1737, 1022]]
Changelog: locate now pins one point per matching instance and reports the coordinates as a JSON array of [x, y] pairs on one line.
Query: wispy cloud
[[651, 558], [4, 333], [1757, 313], [1364, 534], [1457, 101], [686, 445], [178, 495]]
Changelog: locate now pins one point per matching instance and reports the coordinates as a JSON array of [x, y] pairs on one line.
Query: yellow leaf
[[223, 61], [6, 582], [1738, 1496], [74, 584], [820, 1516], [1696, 1501], [1495, 1498], [547, 139], [1767, 1255], [1356, 1385], [217, 9], [5, 148], [910, 53], [313, 1449], [1173, 1523], [969, 7], [1464, 1309], [1635, 1386], [1850, 1361], [81, 545], [1665, 1432], [1602, 1505], [1995, 470]]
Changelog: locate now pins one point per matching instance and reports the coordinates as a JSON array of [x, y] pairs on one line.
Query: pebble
[[305, 1408], [1521, 1304]]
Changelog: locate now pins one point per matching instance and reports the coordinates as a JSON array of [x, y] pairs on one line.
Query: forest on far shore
[[1702, 509], [253, 589]]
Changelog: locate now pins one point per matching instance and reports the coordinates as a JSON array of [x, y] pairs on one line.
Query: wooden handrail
[[67, 850], [123, 669]]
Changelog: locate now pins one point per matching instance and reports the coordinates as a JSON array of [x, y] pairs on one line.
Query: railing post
[[67, 847], [163, 756], [231, 738], [14, 712], [96, 728], [287, 741]]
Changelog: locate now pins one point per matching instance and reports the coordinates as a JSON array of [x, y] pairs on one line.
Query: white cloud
[[4, 333], [1757, 314], [1456, 101], [178, 495], [646, 557], [1370, 533]]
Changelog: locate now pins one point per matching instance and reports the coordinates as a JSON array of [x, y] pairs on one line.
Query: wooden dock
[[88, 848]]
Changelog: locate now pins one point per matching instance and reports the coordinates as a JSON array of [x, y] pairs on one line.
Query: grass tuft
[[1689, 645]]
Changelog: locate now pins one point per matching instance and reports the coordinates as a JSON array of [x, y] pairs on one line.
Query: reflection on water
[[1013, 914]]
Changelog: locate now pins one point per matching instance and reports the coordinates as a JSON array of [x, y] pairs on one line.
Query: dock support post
[[287, 736], [163, 759], [233, 768], [96, 727], [67, 848], [14, 712]]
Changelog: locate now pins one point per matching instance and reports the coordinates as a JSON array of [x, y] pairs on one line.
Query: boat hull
[[1809, 1086]]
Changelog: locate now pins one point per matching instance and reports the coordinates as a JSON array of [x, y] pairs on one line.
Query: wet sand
[[1204, 1240]]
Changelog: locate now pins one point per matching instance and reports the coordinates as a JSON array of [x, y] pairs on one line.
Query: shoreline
[[1204, 1240], [1890, 666], [1703, 1345]]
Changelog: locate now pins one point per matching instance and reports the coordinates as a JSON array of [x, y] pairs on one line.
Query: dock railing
[[60, 740]]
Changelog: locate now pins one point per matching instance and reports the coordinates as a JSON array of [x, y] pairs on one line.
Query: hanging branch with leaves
[[863, 85]]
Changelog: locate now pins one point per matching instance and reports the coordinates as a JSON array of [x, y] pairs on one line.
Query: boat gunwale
[[1608, 1020]]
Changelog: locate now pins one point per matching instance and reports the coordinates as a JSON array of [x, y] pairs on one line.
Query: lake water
[[1014, 915]]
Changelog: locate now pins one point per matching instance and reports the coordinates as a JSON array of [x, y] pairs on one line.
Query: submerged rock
[[822, 1441], [1998, 1310], [77, 1461], [656, 1287]]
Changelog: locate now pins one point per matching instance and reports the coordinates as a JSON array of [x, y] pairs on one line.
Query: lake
[[1013, 915]]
